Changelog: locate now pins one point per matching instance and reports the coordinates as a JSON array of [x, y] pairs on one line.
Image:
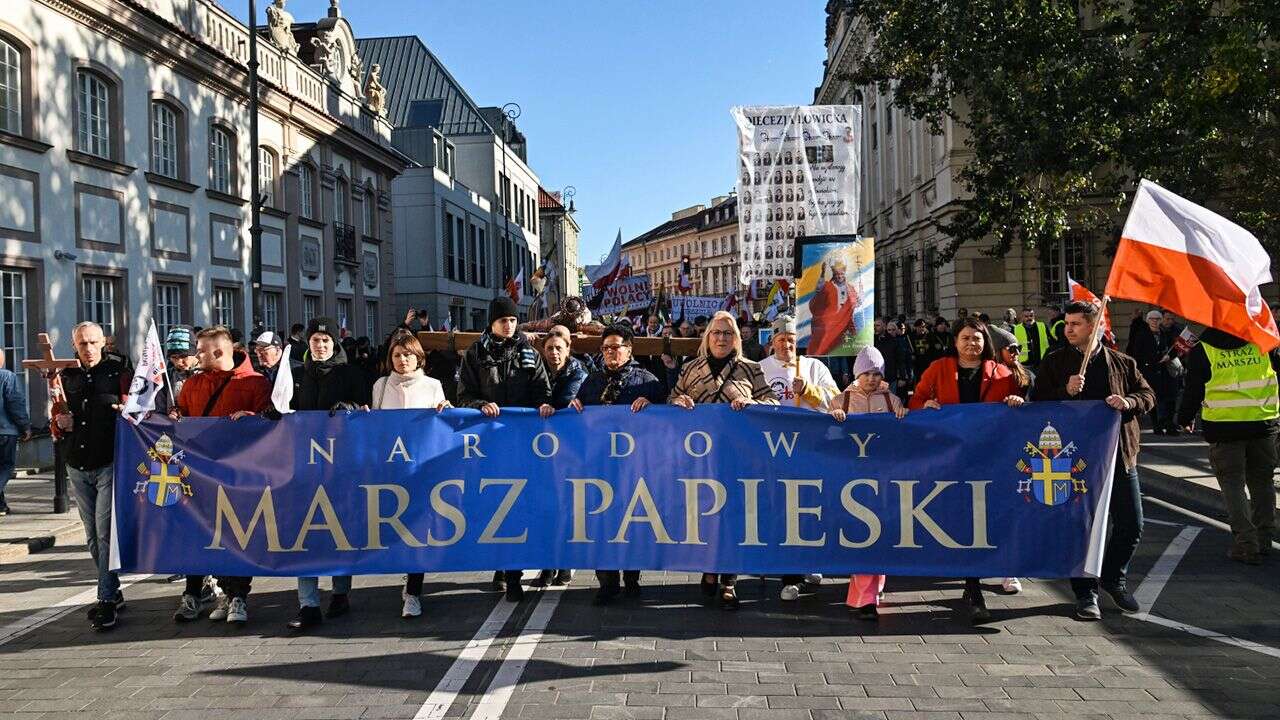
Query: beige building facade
[[707, 234], [910, 180]]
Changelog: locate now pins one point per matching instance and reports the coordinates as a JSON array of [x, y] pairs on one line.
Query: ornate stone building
[[559, 232], [708, 234], [124, 171]]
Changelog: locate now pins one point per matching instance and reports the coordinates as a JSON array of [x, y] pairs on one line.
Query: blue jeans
[[1126, 531], [93, 498], [309, 589], [8, 458]]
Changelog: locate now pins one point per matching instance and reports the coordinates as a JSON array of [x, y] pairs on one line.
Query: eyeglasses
[[612, 348], [722, 333]]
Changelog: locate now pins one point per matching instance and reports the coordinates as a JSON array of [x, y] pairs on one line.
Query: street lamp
[[255, 201]]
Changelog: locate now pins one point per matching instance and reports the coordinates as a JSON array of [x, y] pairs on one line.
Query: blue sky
[[626, 101]]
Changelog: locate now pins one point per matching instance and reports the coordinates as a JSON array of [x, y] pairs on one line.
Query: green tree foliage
[[1067, 104]]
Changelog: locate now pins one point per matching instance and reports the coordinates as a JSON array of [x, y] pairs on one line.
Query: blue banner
[[973, 490]]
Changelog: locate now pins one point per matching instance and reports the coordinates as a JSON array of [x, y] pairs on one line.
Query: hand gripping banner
[[972, 490]]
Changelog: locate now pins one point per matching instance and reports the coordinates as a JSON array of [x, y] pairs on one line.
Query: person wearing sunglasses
[[621, 382]]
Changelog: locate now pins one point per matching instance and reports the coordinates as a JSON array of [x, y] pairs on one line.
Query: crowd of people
[[936, 363]]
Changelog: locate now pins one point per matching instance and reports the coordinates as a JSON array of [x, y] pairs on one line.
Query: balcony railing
[[345, 245]]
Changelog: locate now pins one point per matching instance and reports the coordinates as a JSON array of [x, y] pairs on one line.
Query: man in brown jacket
[[1113, 377]]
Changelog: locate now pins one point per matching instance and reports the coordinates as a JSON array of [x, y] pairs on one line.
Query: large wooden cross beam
[[460, 341]]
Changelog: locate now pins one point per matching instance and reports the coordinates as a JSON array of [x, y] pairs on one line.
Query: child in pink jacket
[[868, 393]]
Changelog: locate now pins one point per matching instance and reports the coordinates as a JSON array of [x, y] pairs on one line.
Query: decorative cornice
[[23, 142], [169, 182], [81, 158]]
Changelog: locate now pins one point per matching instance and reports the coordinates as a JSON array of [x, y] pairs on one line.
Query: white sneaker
[[813, 579], [219, 612], [412, 606], [790, 592], [237, 611], [1013, 586]]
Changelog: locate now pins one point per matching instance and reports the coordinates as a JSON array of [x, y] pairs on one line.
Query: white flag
[[282, 391], [148, 379]]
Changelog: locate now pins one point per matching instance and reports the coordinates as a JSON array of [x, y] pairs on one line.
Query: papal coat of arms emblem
[[1051, 470], [164, 477]]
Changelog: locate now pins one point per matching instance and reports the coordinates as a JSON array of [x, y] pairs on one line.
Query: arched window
[[165, 139], [11, 89], [340, 201], [93, 112], [222, 154], [267, 176], [306, 191]]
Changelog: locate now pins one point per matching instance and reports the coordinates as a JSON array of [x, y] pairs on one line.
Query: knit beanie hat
[[502, 307], [869, 360], [179, 340], [322, 325], [1001, 338]]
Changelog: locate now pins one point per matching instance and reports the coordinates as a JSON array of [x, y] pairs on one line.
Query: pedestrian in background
[[15, 426]]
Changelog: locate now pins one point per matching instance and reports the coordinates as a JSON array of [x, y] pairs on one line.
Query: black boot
[[978, 612], [499, 582], [339, 604], [307, 617]]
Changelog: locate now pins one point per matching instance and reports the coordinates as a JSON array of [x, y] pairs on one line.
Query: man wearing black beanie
[[502, 369]]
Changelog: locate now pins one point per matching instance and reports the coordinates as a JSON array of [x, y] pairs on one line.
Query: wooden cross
[[50, 368]]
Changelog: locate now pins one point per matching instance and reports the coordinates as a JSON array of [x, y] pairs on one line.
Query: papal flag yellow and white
[[1178, 255]]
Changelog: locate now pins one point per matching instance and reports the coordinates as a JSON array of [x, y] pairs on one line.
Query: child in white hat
[[868, 393]]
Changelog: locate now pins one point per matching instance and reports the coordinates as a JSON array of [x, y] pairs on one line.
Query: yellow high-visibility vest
[[1024, 351], [1242, 385]]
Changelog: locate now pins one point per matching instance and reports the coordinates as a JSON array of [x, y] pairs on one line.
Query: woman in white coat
[[408, 387]]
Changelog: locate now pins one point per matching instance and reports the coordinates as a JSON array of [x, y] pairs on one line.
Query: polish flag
[[515, 286], [1177, 255], [1080, 293]]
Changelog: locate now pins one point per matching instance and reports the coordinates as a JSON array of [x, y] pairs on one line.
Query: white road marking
[[1153, 521], [22, 626], [494, 701], [1210, 634], [1153, 584], [446, 692]]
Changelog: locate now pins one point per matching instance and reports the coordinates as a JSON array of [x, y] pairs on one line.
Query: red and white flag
[[1080, 293], [1180, 256], [515, 286]]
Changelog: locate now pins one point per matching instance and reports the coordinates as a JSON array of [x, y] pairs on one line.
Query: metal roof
[[411, 72]]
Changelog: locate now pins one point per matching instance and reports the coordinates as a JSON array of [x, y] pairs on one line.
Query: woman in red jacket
[[971, 374]]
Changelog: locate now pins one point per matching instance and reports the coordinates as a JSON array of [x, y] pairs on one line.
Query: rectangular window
[[220, 160], [370, 216], [271, 311], [168, 306], [473, 270], [93, 135], [460, 251], [224, 307], [1068, 256], [908, 284], [306, 193], [449, 262], [484, 259], [930, 274], [13, 322], [98, 297], [164, 140], [371, 320], [344, 313], [340, 202], [310, 307]]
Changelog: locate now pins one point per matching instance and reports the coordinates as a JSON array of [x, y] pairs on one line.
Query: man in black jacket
[[88, 432], [1233, 384], [1113, 377], [328, 382], [503, 369]]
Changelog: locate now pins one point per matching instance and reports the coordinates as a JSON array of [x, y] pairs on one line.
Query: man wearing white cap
[[269, 347], [799, 382]]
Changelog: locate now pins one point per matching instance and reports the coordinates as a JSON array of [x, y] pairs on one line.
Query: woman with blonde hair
[[408, 386], [721, 374]]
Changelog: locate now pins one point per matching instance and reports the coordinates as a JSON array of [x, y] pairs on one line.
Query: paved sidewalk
[[1177, 469], [31, 525]]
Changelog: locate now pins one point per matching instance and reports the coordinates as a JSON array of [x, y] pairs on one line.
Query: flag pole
[[1093, 337]]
